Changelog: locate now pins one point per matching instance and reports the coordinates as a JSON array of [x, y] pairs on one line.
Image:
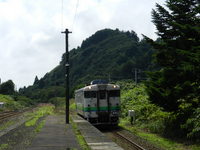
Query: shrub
[[10, 103], [148, 115], [57, 101]]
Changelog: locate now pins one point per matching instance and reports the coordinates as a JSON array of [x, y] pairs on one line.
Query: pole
[[136, 75], [67, 75]]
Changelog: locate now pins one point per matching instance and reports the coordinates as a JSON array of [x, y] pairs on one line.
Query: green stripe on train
[[100, 108]]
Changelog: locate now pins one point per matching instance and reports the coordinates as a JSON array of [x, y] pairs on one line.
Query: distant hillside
[[107, 54]]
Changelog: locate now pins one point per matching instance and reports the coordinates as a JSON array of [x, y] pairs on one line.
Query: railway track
[[8, 114], [128, 141]]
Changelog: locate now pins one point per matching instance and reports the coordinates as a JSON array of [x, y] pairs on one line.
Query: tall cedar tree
[[178, 53], [36, 81], [176, 86]]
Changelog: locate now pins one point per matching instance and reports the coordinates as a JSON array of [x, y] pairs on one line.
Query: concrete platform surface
[[93, 137], [55, 135]]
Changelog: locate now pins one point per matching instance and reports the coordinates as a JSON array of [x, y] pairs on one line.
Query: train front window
[[102, 95], [90, 94], [115, 93]]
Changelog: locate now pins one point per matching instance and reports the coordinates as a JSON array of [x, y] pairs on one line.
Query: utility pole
[[67, 75]]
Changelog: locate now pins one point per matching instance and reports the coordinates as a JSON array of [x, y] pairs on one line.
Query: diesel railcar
[[99, 103]]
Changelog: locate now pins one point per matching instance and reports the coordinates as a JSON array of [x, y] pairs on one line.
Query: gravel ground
[[20, 137]]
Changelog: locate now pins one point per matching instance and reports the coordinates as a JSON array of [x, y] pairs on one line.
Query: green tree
[[7, 88], [106, 54], [176, 86], [36, 81]]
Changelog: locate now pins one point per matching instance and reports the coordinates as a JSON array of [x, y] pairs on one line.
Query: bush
[[193, 125], [148, 115], [57, 101], [23, 100], [10, 103]]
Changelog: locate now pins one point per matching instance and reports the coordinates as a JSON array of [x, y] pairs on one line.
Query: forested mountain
[[107, 54]]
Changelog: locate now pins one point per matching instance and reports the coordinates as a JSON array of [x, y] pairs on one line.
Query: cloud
[[31, 42]]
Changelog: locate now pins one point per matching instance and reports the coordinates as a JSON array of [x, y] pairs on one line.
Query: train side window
[[115, 93], [90, 94]]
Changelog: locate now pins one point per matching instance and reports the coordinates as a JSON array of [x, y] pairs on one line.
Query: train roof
[[99, 81], [96, 87]]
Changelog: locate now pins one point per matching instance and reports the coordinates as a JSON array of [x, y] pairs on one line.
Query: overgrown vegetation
[[42, 111], [9, 103], [176, 86], [11, 99], [79, 137], [3, 146], [40, 126], [6, 124], [148, 116], [22, 135], [15, 102], [151, 120]]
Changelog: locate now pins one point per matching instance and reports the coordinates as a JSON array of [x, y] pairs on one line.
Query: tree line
[[176, 86]]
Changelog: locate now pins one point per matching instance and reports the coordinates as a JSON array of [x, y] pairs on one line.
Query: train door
[[103, 106], [114, 103]]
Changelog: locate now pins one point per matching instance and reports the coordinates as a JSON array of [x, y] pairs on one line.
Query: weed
[[40, 126], [79, 137], [5, 125], [3, 146], [45, 110]]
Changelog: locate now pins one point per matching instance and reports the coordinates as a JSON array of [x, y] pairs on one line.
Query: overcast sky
[[31, 42]]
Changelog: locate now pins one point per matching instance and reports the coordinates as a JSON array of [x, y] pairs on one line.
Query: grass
[[79, 137], [3, 146], [156, 139], [35, 121], [42, 111], [72, 106], [40, 126], [77, 132], [5, 125], [60, 109]]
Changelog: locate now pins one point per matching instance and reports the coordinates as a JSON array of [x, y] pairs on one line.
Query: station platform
[[55, 135], [93, 137]]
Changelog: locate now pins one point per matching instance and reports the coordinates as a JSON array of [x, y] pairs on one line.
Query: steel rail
[[6, 115], [135, 145], [9, 114]]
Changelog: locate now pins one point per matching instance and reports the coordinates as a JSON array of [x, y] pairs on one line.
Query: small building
[[1, 104]]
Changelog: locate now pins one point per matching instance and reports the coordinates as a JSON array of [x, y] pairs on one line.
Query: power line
[[62, 14], [77, 3], [62, 8]]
